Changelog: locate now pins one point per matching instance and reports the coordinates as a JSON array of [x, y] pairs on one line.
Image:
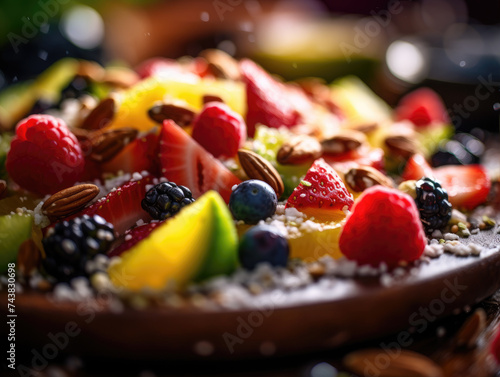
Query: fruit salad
[[179, 171]]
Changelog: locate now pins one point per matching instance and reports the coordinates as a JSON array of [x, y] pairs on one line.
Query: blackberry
[[70, 244], [166, 199], [433, 205]]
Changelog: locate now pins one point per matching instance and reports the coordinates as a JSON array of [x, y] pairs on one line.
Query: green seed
[[305, 183]]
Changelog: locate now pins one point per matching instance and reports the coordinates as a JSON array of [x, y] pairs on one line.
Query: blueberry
[[252, 201], [263, 243]]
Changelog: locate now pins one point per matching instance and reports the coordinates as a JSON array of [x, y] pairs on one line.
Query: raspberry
[[219, 130], [45, 156], [384, 226]]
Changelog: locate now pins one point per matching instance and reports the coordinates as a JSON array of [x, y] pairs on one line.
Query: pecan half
[[257, 167], [28, 257], [211, 98], [106, 145], [402, 145], [180, 115], [363, 177], [299, 150], [69, 200], [101, 115], [343, 141], [469, 332], [407, 363]]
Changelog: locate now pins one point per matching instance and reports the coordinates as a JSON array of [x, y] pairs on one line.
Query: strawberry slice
[[139, 155], [422, 107], [322, 193], [133, 236], [416, 167], [186, 163], [270, 102], [467, 185], [122, 207]]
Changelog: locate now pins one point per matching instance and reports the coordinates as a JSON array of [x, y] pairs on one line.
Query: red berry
[[45, 156], [384, 226], [219, 130], [422, 107], [321, 193], [467, 185], [133, 236], [270, 102], [416, 167]]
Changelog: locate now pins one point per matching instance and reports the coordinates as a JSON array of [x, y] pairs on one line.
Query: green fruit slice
[[14, 230], [200, 242]]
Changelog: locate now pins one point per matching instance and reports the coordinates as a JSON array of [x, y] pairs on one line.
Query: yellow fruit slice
[[310, 240], [136, 101], [359, 103], [201, 241]]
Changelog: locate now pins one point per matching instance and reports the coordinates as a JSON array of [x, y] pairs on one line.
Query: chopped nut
[[299, 150], [343, 141], [363, 177]]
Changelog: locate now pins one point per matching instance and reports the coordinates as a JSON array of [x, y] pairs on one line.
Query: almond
[[69, 200], [402, 145], [120, 77], [343, 141], [299, 150], [221, 64], [469, 333], [90, 70], [365, 128], [106, 145], [3, 187], [257, 167], [180, 115], [28, 258], [101, 115], [363, 177], [406, 363]]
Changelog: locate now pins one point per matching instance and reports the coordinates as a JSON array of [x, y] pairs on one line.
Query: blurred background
[[452, 46]]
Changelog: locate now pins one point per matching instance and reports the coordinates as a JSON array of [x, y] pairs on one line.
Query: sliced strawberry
[[270, 102], [417, 167], [355, 158], [122, 207], [467, 185], [132, 236], [139, 155], [422, 107], [322, 193], [186, 163]]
